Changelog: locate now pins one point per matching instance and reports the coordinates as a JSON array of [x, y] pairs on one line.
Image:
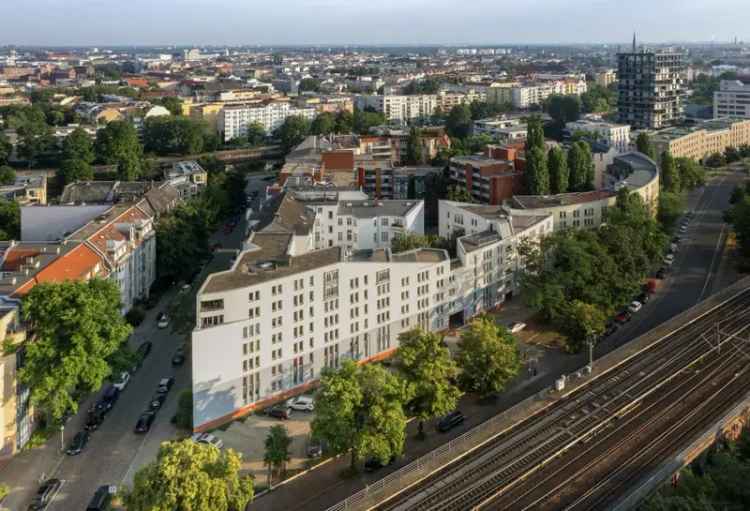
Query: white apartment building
[[732, 100], [494, 126], [266, 328], [524, 96], [234, 120], [613, 135], [400, 109]]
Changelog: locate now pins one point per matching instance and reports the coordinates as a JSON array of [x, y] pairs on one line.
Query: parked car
[[373, 464], [669, 259], [102, 498], [635, 306], [179, 357], [302, 404], [643, 298], [610, 329], [314, 448], [44, 495], [162, 321], [661, 274], [157, 401], [144, 422], [516, 326], [122, 381], [94, 419], [282, 412], [683, 229], [164, 385], [108, 399], [78, 443], [623, 317], [207, 438], [450, 421]]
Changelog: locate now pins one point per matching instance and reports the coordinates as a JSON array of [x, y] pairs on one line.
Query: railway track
[[511, 457]]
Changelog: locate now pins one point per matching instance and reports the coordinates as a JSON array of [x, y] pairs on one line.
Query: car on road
[[635, 306], [516, 326], [157, 401], [314, 448], [302, 404], [122, 381], [144, 422], [179, 357], [372, 464], [282, 412], [683, 229], [162, 321], [143, 350], [164, 385], [78, 443], [661, 273], [669, 259], [45, 494], [94, 419], [450, 421], [108, 399], [643, 298], [609, 329], [623, 317], [102, 498], [208, 438]]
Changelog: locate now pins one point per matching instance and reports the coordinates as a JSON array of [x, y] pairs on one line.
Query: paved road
[[691, 280]]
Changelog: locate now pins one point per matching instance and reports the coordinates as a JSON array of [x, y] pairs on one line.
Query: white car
[[669, 259], [683, 229], [207, 438], [635, 306], [516, 327], [302, 404], [122, 382], [162, 321]]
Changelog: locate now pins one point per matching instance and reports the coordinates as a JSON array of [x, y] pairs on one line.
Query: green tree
[[414, 147], [78, 146], [293, 132], [190, 476], [459, 124], [182, 239], [582, 322], [670, 177], [406, 241], [537, 173], [10, 220], [360, 409], [184, 416], [323, 124], [597, 99], [671, 208], [715, 160], [117, 144], [488, 357], [344, 122], [6, 148], [644, 145], [171, 103], [691, 174], [309, 85], [276, 454], [534, 133], [256, 134], [35, 136], [558, 170], [362, 121], [580, 167], [739, 216], [7, 175], [77, 329], [428, 369], [564, 109], [458, 193], [73, 170]]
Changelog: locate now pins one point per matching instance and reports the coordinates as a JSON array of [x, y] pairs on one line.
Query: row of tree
[[294, 129], [363, 409], [576, 279], [556, 171], [738, 215]]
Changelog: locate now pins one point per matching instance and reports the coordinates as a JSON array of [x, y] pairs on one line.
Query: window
[[212, 320]]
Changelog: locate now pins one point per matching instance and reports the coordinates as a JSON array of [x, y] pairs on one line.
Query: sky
[[367, 22]]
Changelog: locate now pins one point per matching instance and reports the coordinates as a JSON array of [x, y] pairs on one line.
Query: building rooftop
[[563, 199], [375, 208]]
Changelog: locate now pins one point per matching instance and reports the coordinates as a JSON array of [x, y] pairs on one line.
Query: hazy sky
[[232, 22]]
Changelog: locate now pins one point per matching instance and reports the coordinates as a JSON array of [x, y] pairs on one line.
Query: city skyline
[[337, 22]]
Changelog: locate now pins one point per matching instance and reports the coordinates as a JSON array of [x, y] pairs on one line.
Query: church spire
[[633, 42]]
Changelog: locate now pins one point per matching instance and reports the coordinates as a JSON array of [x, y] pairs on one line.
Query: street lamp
[[62, 436], [590, 344]]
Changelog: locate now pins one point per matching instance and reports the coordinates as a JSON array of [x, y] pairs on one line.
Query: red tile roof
[[81, 263]]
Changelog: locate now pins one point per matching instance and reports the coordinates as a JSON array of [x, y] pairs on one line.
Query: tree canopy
[[77, 329], [360, 409], [7, 175], [558, 171], [293, 131], [164, 135], [276, 453], [580, 167], [459, 123], [644, 145], [564, 109], [190, 476], [10, 220], [118, 144], [488, 357], [428, 369]]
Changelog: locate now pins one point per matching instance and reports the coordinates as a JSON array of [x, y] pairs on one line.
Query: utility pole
[[590, 343]]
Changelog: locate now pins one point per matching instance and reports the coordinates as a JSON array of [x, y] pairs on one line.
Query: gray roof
[[373, 208]]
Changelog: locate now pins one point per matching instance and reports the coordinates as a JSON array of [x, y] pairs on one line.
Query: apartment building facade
[[267, 328], [233, 121], [732, 100], [650, 88], [704, 139], [399, 109], [490, 178], [611, 135]]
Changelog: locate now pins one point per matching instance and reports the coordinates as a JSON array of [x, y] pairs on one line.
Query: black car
[[164, 385], [643, 298], [157, 401], [373, 464], [101, 499], [143, 350], [94, 419], [144, 422], [78, 443], [45, 494], [108, 399], [179, 357], [450, 421], [282, 412], [661, 273]]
